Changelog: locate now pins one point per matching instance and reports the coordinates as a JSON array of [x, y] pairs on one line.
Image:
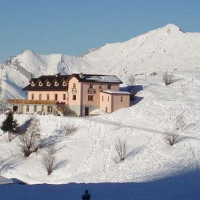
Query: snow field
[[88, 155]]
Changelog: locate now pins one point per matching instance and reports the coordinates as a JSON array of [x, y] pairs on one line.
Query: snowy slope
[[89, 154], [4, 180], [163, 49]]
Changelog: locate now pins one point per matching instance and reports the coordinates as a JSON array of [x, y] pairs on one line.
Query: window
[[15, 108], [64, 96], [32, 96], [108, 98], [64, 83], [100, 86], [48, 83], [102, 98], [109, 86], [49, 109], [91, 86], [56, 83], [40, 83], [35, 108], [74, 85], [56, 97], [32, 84], [121, 98], [27, 108], [40, 96], [74, 97], [47, 96], [90, 98]]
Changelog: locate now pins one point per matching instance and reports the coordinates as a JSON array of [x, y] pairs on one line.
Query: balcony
[[26, 101], [74, 90], [91, 91]]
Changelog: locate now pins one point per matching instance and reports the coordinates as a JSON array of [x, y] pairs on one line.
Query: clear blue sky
[[73, 26]]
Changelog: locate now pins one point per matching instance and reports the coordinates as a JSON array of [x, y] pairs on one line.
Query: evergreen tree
[[10, 125]]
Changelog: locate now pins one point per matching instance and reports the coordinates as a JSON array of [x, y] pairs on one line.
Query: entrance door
[[15, 108], [106, 109], [86, 111]]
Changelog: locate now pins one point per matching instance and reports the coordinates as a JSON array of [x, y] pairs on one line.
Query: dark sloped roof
[[95, 78], [49, 78], [58, 77]]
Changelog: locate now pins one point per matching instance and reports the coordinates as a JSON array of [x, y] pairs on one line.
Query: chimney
[[58, 74], [81, 75]]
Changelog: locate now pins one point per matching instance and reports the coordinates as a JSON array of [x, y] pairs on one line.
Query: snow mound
[[4, 180]]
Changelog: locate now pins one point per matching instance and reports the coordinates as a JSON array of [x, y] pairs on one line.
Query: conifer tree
[[10, 125]]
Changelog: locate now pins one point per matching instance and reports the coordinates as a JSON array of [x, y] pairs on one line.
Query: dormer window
[[56, 83], [48, 83], [64, 83], [40, 83], [32, 84]]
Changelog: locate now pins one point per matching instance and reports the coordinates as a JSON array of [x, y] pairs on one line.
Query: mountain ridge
[[163, 49]]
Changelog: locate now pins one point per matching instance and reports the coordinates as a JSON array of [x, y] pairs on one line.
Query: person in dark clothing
[[86, 196]]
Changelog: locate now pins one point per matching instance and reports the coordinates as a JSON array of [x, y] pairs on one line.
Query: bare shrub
[[171, 138], [49, 159], [2, 161], [131, 80], [121, 149], [29, 142], [168, 78], [7, 164], [69, 129], [180, 124], [131, 87]]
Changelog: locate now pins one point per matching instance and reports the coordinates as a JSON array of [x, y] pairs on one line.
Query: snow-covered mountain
[[163, 49]]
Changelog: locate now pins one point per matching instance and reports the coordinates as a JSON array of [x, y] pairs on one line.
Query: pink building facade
[[82, 93]]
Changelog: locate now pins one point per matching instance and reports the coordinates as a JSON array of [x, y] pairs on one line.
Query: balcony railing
[[74, 90], [91, 91], [26, 101]]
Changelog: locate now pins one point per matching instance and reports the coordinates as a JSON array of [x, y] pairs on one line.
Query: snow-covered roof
[[103, 78], [97, 78], [116, 92]]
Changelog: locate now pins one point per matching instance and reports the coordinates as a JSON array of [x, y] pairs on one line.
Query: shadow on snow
[[180, 187]]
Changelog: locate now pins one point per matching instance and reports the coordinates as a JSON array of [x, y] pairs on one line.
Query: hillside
[[89, 155], [164, 49]]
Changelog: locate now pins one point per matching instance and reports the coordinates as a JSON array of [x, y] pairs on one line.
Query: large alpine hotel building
[[82, 93]]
